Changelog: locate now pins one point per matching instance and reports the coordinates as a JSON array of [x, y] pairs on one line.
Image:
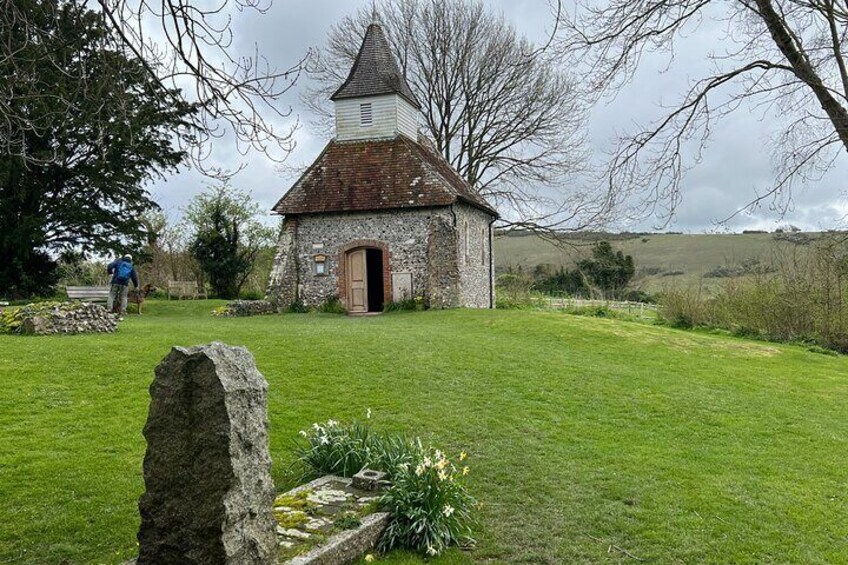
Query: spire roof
[[375, 71]]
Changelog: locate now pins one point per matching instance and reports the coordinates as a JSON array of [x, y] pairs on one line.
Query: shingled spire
[[375, 71]]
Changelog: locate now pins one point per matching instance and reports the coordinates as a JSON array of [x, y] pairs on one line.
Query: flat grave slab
[[328, 521]]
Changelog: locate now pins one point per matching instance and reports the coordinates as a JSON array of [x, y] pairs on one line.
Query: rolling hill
[[662, 260]]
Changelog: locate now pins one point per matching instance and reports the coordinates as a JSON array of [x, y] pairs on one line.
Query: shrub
[[251, 295], [409, 304], [332, 306], [598, 311], [684, 308], [429, 504], [297, 307], [516, 291], [804, 300], [336, 449], [514, 301]]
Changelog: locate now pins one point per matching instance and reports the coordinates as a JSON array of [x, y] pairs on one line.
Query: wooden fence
[[640, 309]]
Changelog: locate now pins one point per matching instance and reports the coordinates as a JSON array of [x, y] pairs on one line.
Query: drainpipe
[[491, 264]]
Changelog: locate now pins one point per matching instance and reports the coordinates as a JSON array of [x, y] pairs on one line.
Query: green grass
[[693, 254], [584, 434]]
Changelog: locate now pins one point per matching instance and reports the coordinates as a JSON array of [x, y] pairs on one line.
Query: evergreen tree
[[227, 237], [77, 184], [610, 271]]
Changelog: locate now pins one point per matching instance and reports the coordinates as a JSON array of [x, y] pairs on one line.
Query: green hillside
[[661, 259]]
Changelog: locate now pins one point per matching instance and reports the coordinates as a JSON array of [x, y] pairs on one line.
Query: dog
[[137, 296]]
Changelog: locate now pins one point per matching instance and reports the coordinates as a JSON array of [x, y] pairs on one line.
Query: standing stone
[[207, 469]]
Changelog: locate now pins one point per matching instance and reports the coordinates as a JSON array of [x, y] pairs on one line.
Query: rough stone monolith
[[207, 470]]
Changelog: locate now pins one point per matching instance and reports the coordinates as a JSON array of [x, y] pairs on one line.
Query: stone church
[[380, 216]]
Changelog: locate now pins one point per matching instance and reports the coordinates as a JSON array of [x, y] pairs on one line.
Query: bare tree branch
[[501, 111], [785, 58], [187, 49]]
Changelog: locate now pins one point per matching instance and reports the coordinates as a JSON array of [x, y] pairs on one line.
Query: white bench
[[185, 289], [88, 293]]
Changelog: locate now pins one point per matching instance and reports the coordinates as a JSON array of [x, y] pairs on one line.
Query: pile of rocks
[[64, 318], [241, 308]]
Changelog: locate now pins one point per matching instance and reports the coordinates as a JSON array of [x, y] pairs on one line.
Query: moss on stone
[[297, 501], [291, 520]]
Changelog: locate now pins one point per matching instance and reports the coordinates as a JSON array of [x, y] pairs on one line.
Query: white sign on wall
[[401, 286]]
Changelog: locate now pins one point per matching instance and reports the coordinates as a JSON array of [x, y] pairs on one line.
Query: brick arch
[[342, 263]]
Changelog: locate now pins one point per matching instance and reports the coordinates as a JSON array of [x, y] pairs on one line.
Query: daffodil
[[465, 471], [368, 413], [442, 475], [431, 550], [448, 510], [462, 456], [369, 558]]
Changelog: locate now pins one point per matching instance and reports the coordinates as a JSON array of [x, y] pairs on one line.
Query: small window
[[366, 118], [320, 262]]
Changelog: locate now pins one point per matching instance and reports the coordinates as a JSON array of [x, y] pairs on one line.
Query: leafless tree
[[505, 116], [784, 59], [187, 48]]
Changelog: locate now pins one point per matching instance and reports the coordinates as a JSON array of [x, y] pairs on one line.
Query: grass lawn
[[587, 437]]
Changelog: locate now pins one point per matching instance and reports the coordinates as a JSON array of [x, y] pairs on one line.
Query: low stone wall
[[62, 318], [240, 308]]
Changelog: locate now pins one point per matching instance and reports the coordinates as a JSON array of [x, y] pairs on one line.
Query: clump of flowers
[[332, 448], [430, 505]]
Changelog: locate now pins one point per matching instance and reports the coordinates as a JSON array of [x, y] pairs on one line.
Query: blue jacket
[[112, 269]]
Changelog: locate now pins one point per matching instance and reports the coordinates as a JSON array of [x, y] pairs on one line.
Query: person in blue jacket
[[122, 272]]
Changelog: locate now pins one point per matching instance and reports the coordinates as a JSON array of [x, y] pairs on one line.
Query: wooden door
[[357, 281]]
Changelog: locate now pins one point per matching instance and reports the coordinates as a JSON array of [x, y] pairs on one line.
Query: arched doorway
[[365, 281]]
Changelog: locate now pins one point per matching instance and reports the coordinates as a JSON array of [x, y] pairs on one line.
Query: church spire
[[375, 71]]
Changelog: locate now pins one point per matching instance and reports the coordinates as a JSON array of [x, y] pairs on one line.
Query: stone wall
[[241, 308], [475, 268], [282, 284], [53, 318], [427, 243], [404, 232], [442, 265]]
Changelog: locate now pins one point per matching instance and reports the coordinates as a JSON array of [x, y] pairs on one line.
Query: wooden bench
[[185, 289], [88, 293]]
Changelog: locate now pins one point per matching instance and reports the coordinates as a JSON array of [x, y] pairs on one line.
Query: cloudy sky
[[735, 165]]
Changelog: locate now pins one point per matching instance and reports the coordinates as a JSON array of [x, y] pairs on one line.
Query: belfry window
[[366, 117]]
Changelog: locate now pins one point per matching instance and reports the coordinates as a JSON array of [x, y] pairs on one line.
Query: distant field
[[690, 255]]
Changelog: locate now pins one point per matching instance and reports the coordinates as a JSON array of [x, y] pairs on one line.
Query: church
[[380, 216]]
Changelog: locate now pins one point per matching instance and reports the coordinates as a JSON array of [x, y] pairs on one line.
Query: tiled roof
[[375, 71], [377, 175]]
